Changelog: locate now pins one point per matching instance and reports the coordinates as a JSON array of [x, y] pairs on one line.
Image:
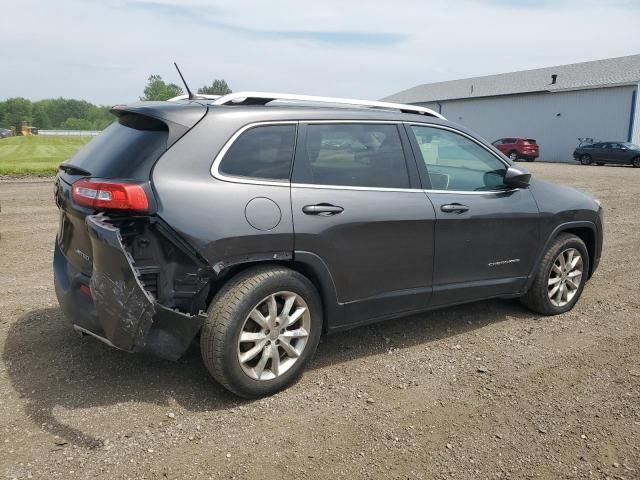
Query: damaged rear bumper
[[120, 311]]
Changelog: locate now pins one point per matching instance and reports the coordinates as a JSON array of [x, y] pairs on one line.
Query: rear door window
[[262, 152], [352, 154]]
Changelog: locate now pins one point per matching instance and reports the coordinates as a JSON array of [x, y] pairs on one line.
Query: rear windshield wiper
[[73, 170]]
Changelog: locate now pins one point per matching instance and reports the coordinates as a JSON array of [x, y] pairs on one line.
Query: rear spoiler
[[178, 117]]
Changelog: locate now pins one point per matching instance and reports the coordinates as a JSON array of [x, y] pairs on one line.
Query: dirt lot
[[487, 390]]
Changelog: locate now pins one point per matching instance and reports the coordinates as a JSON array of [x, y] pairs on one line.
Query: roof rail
[[197, 96], [262, 98]]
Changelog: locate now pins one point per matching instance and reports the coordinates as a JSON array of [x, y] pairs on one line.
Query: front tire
[[561, 277], [585, 159], [262, 330], [513, 156]]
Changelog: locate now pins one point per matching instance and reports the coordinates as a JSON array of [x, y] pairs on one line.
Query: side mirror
[[517, 177]]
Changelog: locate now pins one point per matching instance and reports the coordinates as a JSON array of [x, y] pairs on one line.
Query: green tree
[[218, 87], [53, 113], [157, 89], [76, 124], [100, 117], [15, 111], [41, 117]]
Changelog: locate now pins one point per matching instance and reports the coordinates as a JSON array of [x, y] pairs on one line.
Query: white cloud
[[103, 51]]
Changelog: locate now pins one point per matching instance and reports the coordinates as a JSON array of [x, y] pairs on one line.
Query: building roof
[[599, 73]]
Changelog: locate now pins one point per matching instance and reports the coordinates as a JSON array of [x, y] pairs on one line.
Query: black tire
[[635, 162], [531, 159], [537, 298], [585, 159], [513, 156], [226, 317]]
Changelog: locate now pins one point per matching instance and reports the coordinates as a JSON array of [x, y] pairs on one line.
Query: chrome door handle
[[324, 209], [454, 208]]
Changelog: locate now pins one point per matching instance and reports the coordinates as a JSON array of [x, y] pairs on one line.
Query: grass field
[[37, 155]]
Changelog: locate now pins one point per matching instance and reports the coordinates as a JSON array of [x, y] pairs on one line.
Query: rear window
[[530, 141], [127, 148], [261, 152]]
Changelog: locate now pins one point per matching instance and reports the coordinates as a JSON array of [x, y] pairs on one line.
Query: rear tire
[[258, 364], [636, 162], [554, 271], [585, 159]]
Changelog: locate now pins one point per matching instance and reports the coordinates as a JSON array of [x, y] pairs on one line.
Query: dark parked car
[[5, 132], [623, 153], [518, 148], [255, 226]]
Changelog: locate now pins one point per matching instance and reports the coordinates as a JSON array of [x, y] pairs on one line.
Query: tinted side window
[[351, 154], [261, 152], [455, 162]]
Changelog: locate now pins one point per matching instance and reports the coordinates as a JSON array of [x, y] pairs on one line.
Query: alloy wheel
[[513, 156], [274, 335], [565, 277]]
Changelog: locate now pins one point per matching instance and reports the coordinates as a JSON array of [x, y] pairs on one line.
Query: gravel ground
[[487, 390]]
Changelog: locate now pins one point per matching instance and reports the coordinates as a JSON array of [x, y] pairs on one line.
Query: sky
[[103, 51]]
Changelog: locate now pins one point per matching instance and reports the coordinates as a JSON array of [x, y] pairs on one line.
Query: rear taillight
[[110, 195]]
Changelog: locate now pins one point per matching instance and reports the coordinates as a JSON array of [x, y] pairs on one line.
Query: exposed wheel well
[[301, 268], [588, 236]]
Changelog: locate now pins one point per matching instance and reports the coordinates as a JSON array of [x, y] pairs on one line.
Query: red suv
[[516, 148]]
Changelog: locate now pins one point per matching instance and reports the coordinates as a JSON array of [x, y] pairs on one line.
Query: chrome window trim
[[472, 192], [254, 181], [248, 180], [349, 187]]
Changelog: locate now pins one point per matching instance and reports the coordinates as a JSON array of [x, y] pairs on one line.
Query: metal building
[[554, 105]]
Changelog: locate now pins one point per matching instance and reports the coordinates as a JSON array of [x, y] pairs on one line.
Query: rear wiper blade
[[73, 170]]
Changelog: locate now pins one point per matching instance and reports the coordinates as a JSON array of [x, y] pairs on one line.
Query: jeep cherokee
[[255, 222]]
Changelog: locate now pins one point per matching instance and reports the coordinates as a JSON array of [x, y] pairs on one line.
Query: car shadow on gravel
[[420, 329], [51, 367]]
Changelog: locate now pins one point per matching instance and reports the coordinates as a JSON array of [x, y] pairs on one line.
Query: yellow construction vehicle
[[27, 130]]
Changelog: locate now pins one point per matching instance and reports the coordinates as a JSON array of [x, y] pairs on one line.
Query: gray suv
[[255, 222]]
